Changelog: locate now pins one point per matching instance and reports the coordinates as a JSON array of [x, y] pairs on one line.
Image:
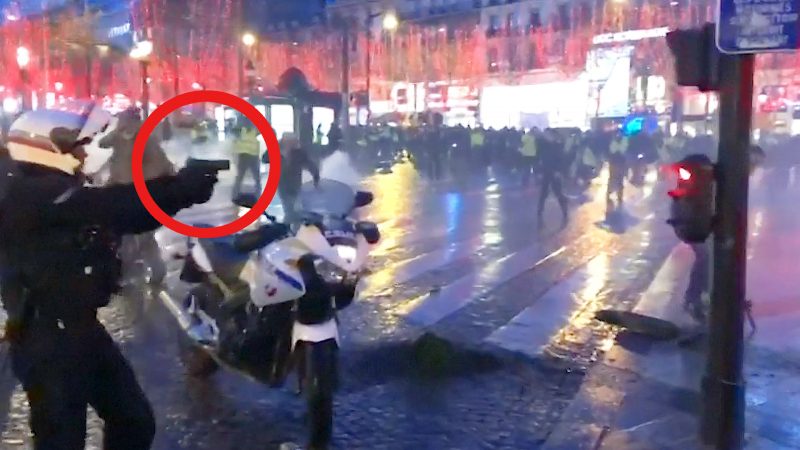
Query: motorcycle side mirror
[[363, 198], [370, 231], [245, 200]]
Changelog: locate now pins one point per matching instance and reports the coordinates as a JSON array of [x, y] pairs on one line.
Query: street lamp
[[141, 52], [249, 39], [388, 23], [23, 57]]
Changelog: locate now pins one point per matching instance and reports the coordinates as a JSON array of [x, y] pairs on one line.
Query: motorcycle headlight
[[346, 252]]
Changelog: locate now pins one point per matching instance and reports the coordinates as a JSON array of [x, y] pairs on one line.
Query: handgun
[[209, 165]]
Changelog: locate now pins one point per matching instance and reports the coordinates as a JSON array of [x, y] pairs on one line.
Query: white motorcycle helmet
[[56, 138]]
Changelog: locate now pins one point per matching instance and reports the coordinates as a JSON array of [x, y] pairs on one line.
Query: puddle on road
[[427, 359]]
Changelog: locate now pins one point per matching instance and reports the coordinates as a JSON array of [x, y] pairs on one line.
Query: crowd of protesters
[[560, 158]]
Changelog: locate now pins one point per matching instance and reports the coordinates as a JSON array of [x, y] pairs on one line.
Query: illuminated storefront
[[626, 74]]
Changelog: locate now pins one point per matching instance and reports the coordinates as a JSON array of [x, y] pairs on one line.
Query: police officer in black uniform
[[58, 252]]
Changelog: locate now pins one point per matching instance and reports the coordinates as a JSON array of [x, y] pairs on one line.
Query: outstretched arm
[[117, 207]]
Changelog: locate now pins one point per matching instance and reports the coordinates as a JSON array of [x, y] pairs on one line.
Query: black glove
[[196, 184]]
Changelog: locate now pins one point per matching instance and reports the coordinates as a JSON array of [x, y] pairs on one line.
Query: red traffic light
[[692, 209]]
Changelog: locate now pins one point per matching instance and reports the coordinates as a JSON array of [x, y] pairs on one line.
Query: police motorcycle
[[264, 301]]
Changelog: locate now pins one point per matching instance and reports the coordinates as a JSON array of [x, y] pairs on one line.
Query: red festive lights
[[200, 47]]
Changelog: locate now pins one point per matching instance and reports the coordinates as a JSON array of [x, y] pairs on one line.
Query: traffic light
[[696, 57], [692, 211]]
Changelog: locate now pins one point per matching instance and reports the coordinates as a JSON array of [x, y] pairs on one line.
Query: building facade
[[465, 58]]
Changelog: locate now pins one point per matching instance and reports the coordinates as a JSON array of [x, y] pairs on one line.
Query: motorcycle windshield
[[329, 198]]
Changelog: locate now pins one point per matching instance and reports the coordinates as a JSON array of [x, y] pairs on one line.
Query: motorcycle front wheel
[[320, 376], [197, 361]]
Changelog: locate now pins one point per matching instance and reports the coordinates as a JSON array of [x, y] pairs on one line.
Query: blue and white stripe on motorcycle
[[289, 279]]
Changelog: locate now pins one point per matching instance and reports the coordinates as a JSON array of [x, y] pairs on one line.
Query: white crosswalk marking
[[535, 326], [460, 293], [663, 297], [406, 270], [440, 304]]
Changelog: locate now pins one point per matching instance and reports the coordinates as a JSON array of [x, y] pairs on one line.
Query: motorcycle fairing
[[274, 277], [219, 256]]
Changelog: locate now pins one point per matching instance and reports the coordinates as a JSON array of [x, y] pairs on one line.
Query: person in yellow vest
[[585, 164], [477, 140], [247, 148], [528, 151]]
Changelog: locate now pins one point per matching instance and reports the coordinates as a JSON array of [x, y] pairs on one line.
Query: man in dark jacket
[[294, 159], [58, 251], [334, 138], [551, 155]]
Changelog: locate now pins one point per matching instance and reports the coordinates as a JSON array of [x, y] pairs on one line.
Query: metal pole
[[345, 119], [84, 11], [89, 72], [238, 41], [369, 69], [26, 91], [723, 383], [145, 90], [177, 79]]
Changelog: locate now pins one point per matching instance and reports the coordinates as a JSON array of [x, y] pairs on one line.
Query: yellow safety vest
[[528, 146], [619, 146], [588, 158], [248, 143], [476, 139]]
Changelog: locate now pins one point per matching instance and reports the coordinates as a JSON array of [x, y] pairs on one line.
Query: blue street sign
[[758, 26]]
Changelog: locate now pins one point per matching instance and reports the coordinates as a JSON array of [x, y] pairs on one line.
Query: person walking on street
[[247, 148], [334, 138], [528, 153], [695, 299], [551, 162], [319, 135], [58, 251], [294, 159], [617, 168], [436, 151], [477, 139]]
